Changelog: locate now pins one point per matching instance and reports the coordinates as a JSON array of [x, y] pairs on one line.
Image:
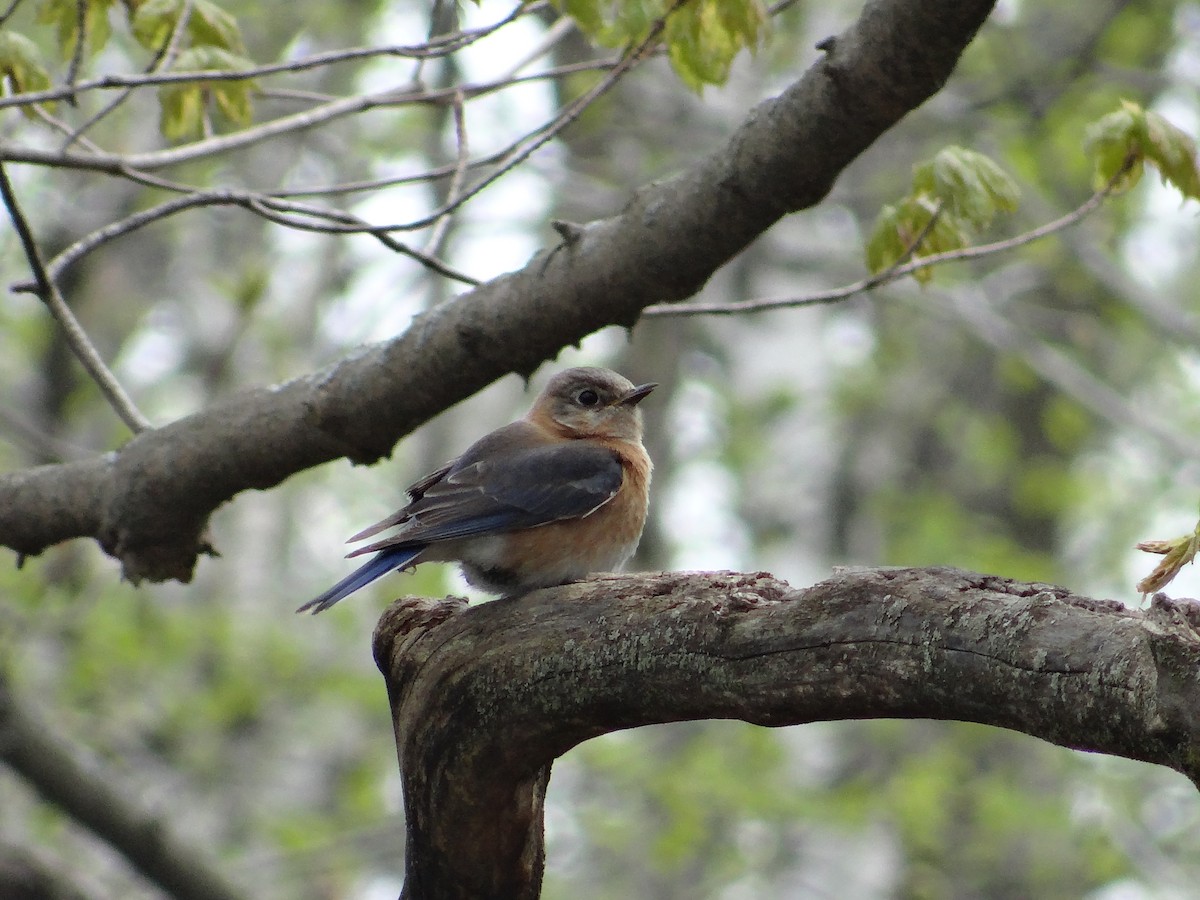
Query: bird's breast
[[569, 550]]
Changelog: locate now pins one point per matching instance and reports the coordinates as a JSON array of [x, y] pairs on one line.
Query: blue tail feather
[[379, 565]]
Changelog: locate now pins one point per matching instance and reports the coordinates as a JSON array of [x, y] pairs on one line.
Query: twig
[[433, 245], [271, 208], [915, 244], [81, 37], [436, 48], [896, 271], [468, 92], [115, 163], [82, 346], [47, 447], [524, 148], [554, 35], [276, 211], [59, 125]]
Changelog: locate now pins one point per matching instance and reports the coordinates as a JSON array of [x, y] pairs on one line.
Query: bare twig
[[438, 234], [836, 295], [115, 163], [553, 36], [467, 92], [81, 38], [438, 47], [522, 149], [291, 214], [60, 126], [80, 344]]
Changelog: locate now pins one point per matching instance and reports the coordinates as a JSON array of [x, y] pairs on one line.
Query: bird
[[548, 499]]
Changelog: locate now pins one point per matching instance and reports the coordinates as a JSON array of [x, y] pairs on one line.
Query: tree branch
[[94, 798], [150, 501], [29, 874], [485, 699], [81, 345], [443, 45], [903, 266]]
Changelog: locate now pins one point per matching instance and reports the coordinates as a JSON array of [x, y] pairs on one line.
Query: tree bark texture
[[485, 698], [148, 503]]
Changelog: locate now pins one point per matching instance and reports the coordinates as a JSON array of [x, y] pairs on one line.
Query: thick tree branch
[[485, 699], [151, 500]]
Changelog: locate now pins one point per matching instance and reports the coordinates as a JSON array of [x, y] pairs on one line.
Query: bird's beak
[[637, 395]]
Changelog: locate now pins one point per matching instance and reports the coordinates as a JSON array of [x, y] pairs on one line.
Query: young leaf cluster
[[1122, 142], [208, 40], [702, 37], [213, 44], [956, 192], [71, 26]]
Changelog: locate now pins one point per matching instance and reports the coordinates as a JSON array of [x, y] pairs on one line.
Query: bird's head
[[587, 402]]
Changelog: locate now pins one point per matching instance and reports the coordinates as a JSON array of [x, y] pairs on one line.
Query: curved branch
[[485, 699], [152, 499]]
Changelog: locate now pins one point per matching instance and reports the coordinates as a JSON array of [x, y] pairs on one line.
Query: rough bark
[[148, 503], [484, 699]]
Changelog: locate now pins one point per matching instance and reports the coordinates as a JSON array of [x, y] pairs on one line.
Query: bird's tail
[[380, 564]]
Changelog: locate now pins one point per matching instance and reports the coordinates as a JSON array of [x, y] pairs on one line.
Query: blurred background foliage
[[901, 427]]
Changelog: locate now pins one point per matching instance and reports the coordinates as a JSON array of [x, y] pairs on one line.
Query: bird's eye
[[588, 398]]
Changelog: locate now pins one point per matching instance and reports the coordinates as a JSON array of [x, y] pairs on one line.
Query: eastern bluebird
[[556, 495]]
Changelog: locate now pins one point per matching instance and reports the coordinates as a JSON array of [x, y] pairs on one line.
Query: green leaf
[[1133, 135], [957, 190], [233, 100], [1112, 141], [154, 21], [213, 26], [702, 37], [1174, 153], [182, 110], [969, 185], [588, 16], [183, 104], [64, 16], [885, 246], [21, 69], [208, 25], [898, 227]]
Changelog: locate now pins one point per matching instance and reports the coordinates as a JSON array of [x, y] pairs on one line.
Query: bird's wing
[[396, 558], [501, 490], [416, 491]]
